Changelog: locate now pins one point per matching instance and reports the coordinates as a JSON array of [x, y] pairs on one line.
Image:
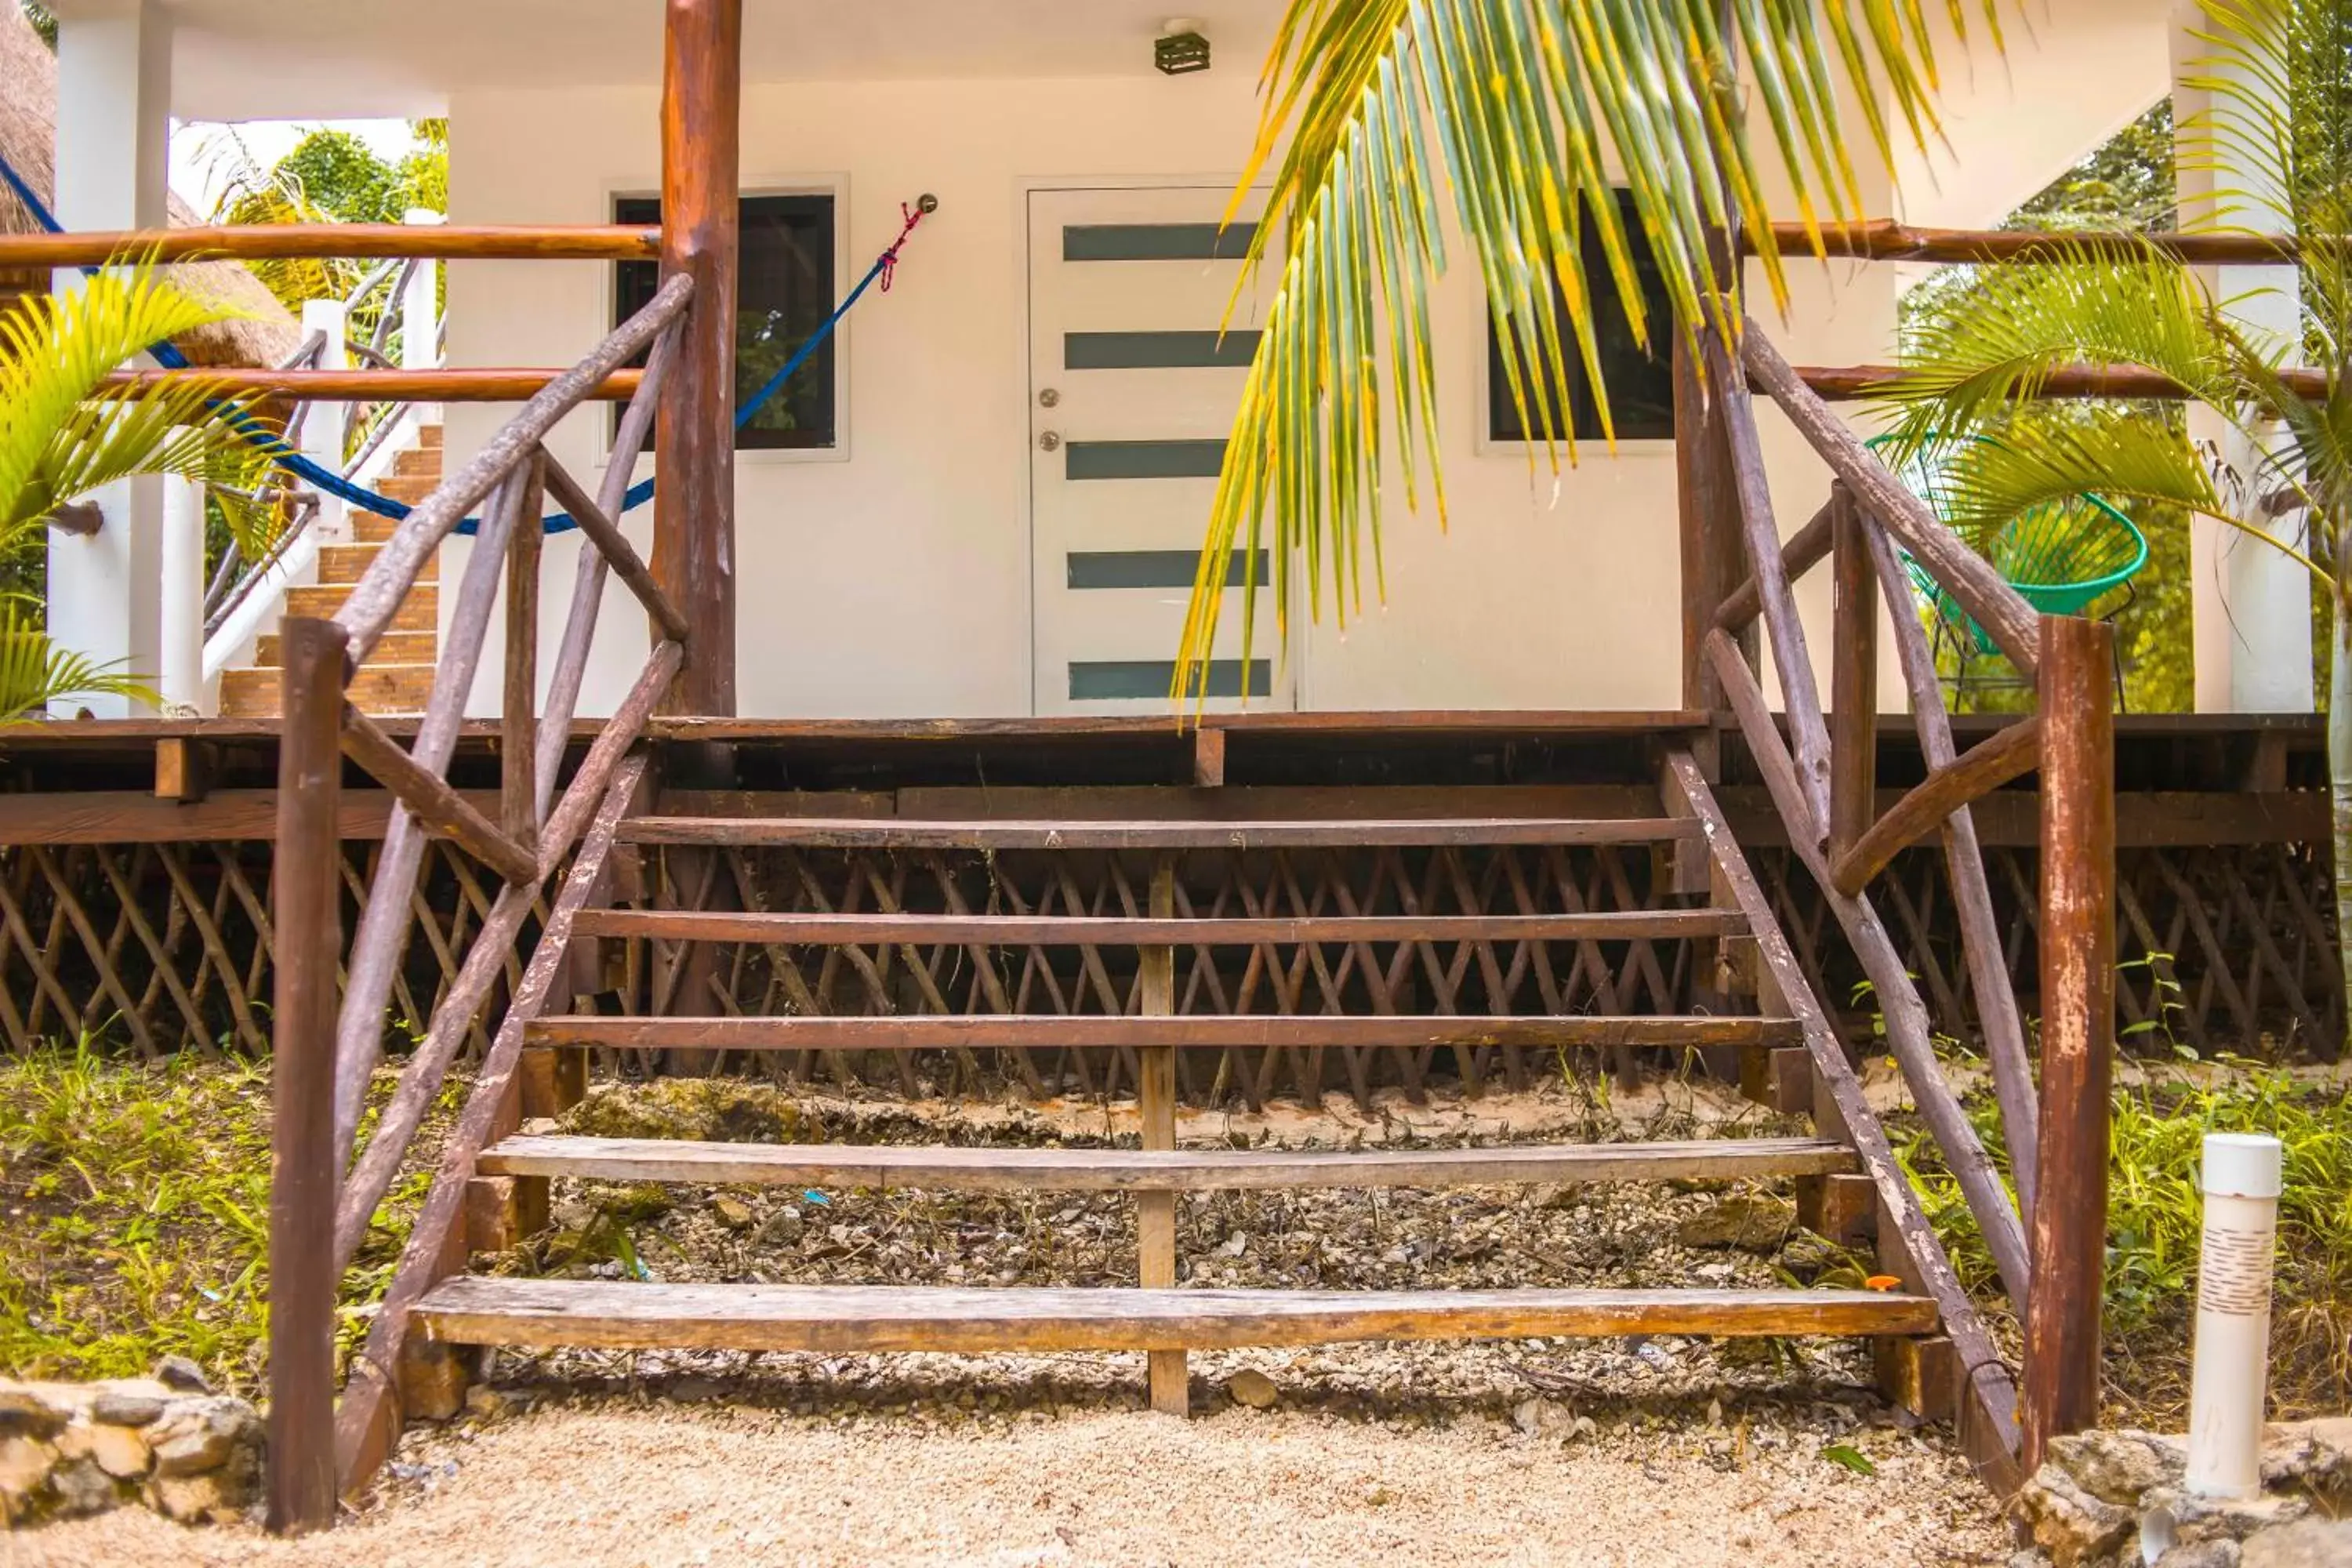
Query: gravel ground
[[584, 1487], [1650, 1449]]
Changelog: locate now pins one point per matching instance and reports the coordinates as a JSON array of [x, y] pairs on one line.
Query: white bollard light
[[2228, 1386]]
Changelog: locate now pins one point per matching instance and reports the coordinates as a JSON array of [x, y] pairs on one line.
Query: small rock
[[81, 1487], [696, 1390], [25, 1414], [191, 1500], [1750, 1224], [1543, 1418], [1253, 1388], [733, 1213], [25, 1466], [2331, 1442], [1806, 1254], [183, 1376], [2308, 1543], [124, 1407], [199, 1435], [120, 1451], [2069, 1523], [2199, 1518], [2118, 1466], [487, 1404]]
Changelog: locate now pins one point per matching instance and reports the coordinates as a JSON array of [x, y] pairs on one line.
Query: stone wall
[[166, 1442], [2114, 1499]]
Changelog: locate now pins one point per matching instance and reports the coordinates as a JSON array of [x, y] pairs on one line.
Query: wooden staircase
[[398, 675], [1120, 951]]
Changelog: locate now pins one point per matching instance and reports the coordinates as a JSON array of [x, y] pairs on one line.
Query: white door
[[1131, 395]]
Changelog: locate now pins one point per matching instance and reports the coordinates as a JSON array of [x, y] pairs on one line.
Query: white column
[[180, 670], [2251, 603], [326, 423], [114, 130]]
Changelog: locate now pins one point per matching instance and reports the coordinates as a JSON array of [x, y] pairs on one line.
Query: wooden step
[[372, 528], [376, 689], [407, 488], [417, 463], [796, 929], [985, 1031], [347, 563], [429, 436], [902, 832], [420, 612], [393, 647], [841, 1319], [1137, 1169]]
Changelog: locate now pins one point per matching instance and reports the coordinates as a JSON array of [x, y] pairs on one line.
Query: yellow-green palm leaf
[[1510, 120], [63, 433], [35, 672]]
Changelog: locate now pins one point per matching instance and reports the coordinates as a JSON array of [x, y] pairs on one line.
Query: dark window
[[1641, 383], [786, 289]]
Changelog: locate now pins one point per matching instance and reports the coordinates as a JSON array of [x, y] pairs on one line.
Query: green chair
[[2061, 557]]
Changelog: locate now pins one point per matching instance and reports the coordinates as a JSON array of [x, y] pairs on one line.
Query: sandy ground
[[661, 1485]]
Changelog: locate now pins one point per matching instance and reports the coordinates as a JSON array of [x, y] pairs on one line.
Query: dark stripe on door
[[1156, 241], [1153, 568], [1143, 459], [1158, 351], [1106, 680]]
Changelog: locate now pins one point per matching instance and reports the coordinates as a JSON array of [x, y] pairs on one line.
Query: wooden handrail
[[487, 384], [348, 241], [619, 554], [2008, 754], [1908, 1035], [440, 809], [378, 596], [508, 463], [1859, 382], [1885, 239], [1806, 549], [372, 1176], [1969, 578]]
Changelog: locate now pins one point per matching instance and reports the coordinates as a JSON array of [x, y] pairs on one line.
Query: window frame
[[1487, 443], [833, 185]]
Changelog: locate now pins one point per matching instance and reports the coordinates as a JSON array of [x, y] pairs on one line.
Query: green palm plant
[[2280, 76], [1525, 113], [65, 434]]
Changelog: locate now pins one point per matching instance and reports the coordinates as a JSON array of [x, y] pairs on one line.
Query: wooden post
[[694, 507], [1854, 676], [1155, 1213], [307, 896], [519, 733], [2069, 1229]]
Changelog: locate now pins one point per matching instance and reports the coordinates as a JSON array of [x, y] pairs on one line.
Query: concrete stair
[[398, 675]]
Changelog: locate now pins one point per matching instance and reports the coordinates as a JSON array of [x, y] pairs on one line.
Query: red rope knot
[[910, 216]]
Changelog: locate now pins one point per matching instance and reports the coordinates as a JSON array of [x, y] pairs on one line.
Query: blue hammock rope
[[885, 269]]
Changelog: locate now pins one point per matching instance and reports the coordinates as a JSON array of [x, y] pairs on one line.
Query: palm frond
[[1517, 115], [2086, 302], [62, 432], [35, 672], [2041, 461]]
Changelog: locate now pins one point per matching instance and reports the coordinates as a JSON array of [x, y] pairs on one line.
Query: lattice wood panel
[[2223, 947], [166, 947], [1449, 977]]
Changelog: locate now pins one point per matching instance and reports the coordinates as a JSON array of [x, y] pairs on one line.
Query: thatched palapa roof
[[28, 132]]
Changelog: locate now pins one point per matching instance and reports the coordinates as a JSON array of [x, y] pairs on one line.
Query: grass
[[2154, 1214], [134, 1217]]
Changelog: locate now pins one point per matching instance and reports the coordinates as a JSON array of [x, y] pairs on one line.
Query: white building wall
[[895, 581]]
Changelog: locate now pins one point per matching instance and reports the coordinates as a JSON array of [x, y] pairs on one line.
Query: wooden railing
[[1821, 776], [322, 1200]]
